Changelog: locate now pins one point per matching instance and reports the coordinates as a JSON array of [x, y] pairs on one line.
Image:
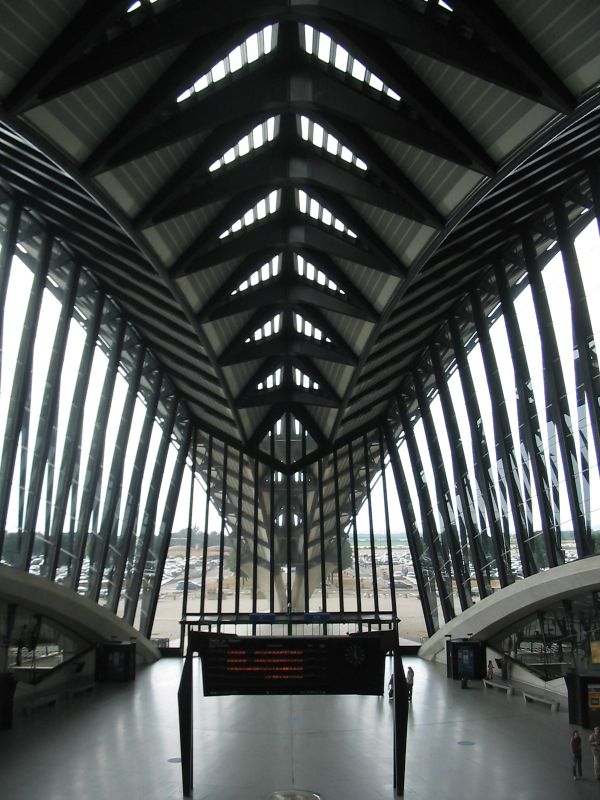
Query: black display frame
[[293, 665]]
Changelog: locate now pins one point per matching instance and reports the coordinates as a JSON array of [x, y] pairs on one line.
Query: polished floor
[[122, 741]]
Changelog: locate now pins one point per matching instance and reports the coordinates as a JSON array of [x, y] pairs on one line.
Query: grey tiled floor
[[122, 741]]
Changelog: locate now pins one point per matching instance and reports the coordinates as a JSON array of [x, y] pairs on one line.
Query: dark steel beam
[[509, 43], [482, 465], [304, 88], [328, 393], [18, 404], [558, 413], [47, 423], [195, 167], [86, 533], [275, 165], [108, 525], [290, 345], [581, 324], [387, 63], [442, 491], [148, 513], [201, 54], [296, 293], [274, 233], [529, 421], [506, 458], [463, 491], [273, 415], [163, 538], [131, 506], [287, 394], [426, 586], [431, 536], [82, 31], [74, 426], [386, 171]]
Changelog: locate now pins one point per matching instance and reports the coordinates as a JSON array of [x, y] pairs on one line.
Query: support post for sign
[[351, 664], [185, 700]]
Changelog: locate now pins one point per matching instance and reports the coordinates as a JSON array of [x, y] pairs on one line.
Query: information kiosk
[[264, 665]]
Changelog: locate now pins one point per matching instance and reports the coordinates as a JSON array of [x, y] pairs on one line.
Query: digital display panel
[[353, 664]]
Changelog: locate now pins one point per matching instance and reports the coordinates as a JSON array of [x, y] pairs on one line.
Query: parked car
[[191, 585]]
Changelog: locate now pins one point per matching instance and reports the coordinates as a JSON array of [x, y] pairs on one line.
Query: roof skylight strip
[[323, 47], [264, 132], [311, 207], [138, 4], [272, 381], [251, 49], [268, 205], [306, 328], [310, 272], [270, 328], [438, 3], [268, 270], [303, 381], [315, 134]]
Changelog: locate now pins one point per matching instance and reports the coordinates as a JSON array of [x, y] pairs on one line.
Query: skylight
[[322, 46], [311, 207], [281, 520], [265, 132], [303, 381], [138, 4], [306, 328], [254, 47], [440, 3], [271, 381], [261, 275], [311, 273], [270, 328], [268, 205], [315, 134]]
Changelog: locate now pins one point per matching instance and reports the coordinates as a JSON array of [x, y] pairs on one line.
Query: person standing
[[490, 671], [576, 753], [594, 741], [410, 679]]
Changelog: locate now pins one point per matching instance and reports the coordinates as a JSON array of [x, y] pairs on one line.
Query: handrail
[[46, 674]]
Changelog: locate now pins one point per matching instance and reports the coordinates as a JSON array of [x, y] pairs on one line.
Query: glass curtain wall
[[484, 471], [94, 440], [298, 550], [494, 438]]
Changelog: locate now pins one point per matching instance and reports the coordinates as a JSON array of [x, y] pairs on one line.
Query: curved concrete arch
[[515, 602], [78, 614]]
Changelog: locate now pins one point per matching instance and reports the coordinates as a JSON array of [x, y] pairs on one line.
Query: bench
[[505, 687], [535, 698]]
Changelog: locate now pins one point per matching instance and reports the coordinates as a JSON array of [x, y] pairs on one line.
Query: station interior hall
[[299, 399]]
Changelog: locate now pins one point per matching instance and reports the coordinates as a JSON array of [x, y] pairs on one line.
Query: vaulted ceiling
[[287, 198]]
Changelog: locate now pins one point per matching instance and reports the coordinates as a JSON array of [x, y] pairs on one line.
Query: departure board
[[353, 664]]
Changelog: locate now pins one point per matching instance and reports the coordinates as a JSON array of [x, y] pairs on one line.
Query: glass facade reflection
[[563, 637]]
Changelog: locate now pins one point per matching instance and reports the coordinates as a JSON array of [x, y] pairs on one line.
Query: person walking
[[594, 741], [410, 679], [576, 753]]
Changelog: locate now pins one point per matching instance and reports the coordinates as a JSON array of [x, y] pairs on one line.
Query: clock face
[[354, 654]]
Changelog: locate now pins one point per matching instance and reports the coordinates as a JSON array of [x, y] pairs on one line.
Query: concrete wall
[[507, 606], [93, 623]]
